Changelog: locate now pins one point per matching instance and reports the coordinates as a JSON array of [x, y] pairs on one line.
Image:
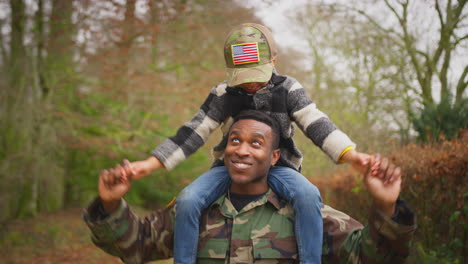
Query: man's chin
[[240, 179]]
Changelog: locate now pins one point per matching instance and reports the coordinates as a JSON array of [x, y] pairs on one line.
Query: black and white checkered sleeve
[[315, 124], [193, 134]]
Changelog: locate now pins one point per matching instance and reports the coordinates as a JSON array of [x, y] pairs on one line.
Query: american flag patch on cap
[[245, 53]]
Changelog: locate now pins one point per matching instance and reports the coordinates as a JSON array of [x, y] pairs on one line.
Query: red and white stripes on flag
[[245, 53]]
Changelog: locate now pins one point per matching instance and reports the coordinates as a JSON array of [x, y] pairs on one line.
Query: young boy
[[250, 55]]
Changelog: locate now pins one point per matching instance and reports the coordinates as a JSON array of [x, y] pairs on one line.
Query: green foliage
[[84, 165], [440, 120], [15, 239], [106, 129], [442, 255], [31, 177]]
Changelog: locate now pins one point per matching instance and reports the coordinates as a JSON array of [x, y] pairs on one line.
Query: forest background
[[85, 84]]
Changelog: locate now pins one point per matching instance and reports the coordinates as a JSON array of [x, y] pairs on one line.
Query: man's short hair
[[264, 118]]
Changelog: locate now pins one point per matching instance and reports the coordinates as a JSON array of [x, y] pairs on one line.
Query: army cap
[[249, 51]]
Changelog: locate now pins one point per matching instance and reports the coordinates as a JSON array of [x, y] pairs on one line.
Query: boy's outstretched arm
[[142, 168], [363, 161], [188, 138]]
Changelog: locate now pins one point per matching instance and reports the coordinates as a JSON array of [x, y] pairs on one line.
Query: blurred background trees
[[405, 58], [84, 84]]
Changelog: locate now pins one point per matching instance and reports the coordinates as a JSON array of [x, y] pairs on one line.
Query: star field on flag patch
[[245, 53]]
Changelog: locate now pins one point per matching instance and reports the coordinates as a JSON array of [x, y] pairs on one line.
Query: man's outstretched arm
[[119, 232], [387, 237]]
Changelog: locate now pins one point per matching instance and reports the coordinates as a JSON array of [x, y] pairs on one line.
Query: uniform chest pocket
[[213, 249], [275, 248]]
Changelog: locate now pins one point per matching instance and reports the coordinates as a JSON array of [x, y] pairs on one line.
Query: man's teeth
[[242, 165]]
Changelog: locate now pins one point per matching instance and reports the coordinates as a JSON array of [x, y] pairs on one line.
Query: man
[[251, 223], [252, 83]]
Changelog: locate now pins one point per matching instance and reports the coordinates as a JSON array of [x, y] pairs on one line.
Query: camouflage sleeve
[[383, 240], [125, 235]]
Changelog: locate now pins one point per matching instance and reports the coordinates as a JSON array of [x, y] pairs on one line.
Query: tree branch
[[375, 24], [424, 80], [453, 17], [457, 12], [461, 86], [439, 49], [458, 40], [439, 12], [451, 21], [40, 48], [393, 9], [2, 46], [444, 89], [463, 17]]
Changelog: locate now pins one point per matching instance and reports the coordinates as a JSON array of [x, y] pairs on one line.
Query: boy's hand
[[383, 168], [358, 160], [141, 169]]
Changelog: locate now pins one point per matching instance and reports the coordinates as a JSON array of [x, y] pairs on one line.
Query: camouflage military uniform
[[262, 232]]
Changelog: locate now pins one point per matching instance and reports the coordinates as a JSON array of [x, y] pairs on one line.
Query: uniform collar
[[228, 210]]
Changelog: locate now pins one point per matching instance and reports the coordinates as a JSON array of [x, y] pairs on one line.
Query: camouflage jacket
[[262, 232]]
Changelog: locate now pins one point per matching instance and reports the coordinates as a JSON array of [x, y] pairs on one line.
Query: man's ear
[[275, 156]]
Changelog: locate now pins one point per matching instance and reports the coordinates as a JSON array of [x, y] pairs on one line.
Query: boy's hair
[[264, 118]]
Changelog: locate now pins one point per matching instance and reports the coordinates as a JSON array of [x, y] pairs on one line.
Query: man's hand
[[358, 160], [113, 185], [383, 180], [141, 169]]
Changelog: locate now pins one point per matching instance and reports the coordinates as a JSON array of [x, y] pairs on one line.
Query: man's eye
[[256, 143], [235, 140]]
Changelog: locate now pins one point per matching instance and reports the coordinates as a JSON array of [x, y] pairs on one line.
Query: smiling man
[[250, 223]]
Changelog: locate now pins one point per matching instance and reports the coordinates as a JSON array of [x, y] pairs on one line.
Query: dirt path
[[59, 237]]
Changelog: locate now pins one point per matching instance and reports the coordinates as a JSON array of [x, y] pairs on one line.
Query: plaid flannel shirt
[[283, 97]]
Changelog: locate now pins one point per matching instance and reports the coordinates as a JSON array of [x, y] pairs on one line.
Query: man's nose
[[242, 150]]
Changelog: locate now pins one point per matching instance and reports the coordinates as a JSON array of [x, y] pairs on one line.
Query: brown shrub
[[434, 184]]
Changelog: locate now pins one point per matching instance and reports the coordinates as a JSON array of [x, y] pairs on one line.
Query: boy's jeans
[[286, 182]]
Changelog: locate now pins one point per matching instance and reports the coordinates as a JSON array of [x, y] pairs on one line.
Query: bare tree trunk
[[59, 60], [154, 20], [129, 32], [40, 65], [26, 198], [3, 52], [461, 86], [59, 67], [17, 50]]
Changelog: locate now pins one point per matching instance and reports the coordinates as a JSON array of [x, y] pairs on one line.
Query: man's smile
[[241, 164]]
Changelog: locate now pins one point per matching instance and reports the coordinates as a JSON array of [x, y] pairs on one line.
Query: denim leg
[[189, 204], [306, 201]]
